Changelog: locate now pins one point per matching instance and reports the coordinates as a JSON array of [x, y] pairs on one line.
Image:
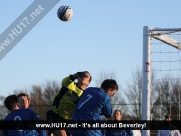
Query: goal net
[[161, 80]]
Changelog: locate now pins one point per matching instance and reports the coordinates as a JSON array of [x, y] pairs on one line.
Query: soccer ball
[[65, 13]]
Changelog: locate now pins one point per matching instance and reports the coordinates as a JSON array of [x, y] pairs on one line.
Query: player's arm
[[68, 80], [75, 95], [107, 109]]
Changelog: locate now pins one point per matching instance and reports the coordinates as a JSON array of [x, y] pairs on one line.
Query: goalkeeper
[[65, 101]]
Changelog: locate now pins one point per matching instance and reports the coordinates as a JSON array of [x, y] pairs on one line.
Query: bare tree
[[169, 99], [50, 89], [3, 110], [104, 75], [42, 96], [36, 95], [133, 94], [2, 99]]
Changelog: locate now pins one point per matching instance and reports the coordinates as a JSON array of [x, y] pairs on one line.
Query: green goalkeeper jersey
[[65, 101]]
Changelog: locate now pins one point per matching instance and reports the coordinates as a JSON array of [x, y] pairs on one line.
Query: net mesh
[[165, 76]]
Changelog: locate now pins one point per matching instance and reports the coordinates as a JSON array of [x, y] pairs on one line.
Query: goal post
[[161, 73], [146, 76]]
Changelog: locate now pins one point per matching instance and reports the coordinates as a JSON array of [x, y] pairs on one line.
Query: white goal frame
[[148, 34]]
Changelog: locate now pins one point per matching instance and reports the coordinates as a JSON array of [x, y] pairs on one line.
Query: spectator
[[118, 117], [168, 129]]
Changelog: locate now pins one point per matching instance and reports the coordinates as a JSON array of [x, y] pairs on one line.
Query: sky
[[102, 36]]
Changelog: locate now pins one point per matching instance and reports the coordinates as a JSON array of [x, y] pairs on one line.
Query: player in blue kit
[[94, 103], [11, 103]]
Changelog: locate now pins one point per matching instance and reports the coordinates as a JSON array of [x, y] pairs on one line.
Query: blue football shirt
[[23, 115], [93, 104]]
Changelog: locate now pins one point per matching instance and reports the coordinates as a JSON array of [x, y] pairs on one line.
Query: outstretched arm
[[67, 81]]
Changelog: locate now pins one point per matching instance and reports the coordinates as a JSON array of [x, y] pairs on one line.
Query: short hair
[[24, 94], [167, 116], [109, 83], [90, 77], [118, 111], [10, 102], [83, 73]]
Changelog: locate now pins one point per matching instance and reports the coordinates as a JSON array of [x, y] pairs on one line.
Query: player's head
[[84, 80], [11, 102], [24, 100], [168, 117], [117, 115], [110, 86]]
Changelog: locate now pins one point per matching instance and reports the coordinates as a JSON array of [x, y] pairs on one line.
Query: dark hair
[[83, 74], [90, 77], [109, 83], [167, 116], [10, 102], [118, 111], [24, 94]]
